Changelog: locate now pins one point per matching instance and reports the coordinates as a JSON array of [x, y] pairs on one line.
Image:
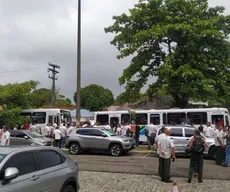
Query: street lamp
[[78, 104]]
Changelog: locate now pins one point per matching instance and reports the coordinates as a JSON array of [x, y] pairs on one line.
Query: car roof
[[21, 148]]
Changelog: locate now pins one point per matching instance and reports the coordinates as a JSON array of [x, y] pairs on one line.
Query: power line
[[53, 77], [22, 69]]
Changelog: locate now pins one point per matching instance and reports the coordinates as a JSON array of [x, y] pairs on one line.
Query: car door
[[52, 170], [188, 133], [84, 138], [99, 141], [28, 178], [177, 136]]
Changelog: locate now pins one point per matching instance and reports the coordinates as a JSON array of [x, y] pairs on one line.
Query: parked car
[[22, 137], [37, 168], [181, 135], [99, 138]]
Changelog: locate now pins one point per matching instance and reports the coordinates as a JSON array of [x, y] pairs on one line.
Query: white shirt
[[151, 129], [33, 128], [63, 131], [46, 131], [157, 140], [210, 132], [216, 135], [118, 131], [166, 145], [124, 130], [57, 134], [5, 136], [15, 129]]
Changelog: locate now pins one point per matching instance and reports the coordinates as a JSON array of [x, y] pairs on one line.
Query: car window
[[47, 159], [2, 156], [189, 132], [20, 134], [96, 132], [24, 162], [177, 132], [13, 133], [83, 132]]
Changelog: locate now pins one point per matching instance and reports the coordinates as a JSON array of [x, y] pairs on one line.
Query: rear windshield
[[2, 156]]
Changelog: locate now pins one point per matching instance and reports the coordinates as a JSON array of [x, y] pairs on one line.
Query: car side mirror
[[11, 173], [26, 137], [104, 135]]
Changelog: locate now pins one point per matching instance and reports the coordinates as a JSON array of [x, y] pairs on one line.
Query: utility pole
[[54, 72], [78, 109]]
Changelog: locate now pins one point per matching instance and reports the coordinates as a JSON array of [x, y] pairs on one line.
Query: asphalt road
[[145, 163]]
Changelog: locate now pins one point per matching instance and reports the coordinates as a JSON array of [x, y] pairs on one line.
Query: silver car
[[27, 137], [37, 169], [99, 138], [181, 135]]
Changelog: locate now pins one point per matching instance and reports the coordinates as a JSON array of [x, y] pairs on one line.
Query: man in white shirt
[[5, 136], [63, 130], [166, 152], [219, 145], [57, 137], [46, 131], [151, 131], [209, 131], [33, 127]]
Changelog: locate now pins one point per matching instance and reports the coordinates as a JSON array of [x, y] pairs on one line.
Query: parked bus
[[46, 116], [193, 116]]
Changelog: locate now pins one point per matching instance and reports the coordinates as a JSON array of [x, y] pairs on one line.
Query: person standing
[[57, 137], [137, 134], [150, 133], [209, 131], [118, 130], [227, 137], [197, 146], [5, 136], [63, 135], [167, 152], [33, 127], [219, 145]]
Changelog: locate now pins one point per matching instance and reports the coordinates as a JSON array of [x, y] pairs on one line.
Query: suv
[[22, 137], [181, 135], [37, 169], [99, 138]]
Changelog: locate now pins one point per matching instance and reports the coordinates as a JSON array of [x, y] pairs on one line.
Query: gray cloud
[[36, 32]]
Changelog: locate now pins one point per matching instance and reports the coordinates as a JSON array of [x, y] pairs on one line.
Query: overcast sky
[[35, 32]]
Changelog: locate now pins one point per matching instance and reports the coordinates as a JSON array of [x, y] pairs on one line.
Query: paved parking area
[[115, 182]]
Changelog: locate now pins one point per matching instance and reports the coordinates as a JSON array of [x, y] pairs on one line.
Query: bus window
[[164, 119], [226, 121], [125, 119], [141, 119], [197, 117], [50, 120], [39, 118], [155, 119], [176, 118], [66, 116], [218, 120], [103, 119]]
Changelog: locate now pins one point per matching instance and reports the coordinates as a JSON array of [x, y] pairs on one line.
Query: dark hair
[[197, 132], [163, 129]]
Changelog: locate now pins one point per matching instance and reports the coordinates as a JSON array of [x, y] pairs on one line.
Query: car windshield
[[34, 134], [110, 133], [2, 156]]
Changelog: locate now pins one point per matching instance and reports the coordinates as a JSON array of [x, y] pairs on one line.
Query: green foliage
[[129, 97], [95, 97], [182, 42]]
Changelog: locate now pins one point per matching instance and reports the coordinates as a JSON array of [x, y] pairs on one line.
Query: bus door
[[57, 119]]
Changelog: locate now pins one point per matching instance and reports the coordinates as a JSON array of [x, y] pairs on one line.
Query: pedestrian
[[227, 137], [5, 136], [118, 130], [46, 131], [150, 133], [57, 137], [219, 146], [137, 134], [33, 127], [63, 130], [160, 160], [167, 152], [209, 131], [197, 146], [195, 171]]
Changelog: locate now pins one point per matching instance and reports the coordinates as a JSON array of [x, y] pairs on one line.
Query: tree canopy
[[129, 97], [95, 97], [184, 43]]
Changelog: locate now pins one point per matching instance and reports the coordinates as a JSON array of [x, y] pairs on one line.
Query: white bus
[[160, 117], [46, 116]]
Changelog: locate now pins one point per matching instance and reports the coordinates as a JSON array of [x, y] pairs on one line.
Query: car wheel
[[74, 148], [69, 188], [115, 150], [212, 153]]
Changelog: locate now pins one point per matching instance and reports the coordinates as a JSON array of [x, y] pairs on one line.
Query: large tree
[[184, 43], [95, 97]]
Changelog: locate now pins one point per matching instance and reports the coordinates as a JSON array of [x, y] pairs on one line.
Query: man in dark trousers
[[137, 134], [197, 146]]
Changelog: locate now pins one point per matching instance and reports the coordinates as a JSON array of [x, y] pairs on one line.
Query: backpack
[[198, 145]]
